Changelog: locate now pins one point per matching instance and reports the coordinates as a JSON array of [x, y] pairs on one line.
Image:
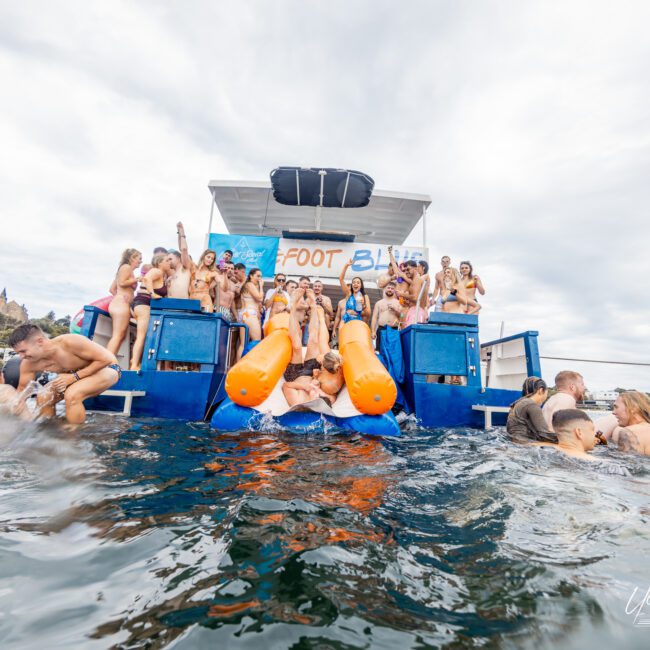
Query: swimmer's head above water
[[574, 428]]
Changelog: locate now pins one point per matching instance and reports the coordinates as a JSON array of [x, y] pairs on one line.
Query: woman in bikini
[[470, 281], [454, 295], [123, 288], [203, 280], [357, 302], [152, 287], [252, 296]]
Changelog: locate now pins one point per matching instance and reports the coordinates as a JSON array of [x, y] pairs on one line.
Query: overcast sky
[[527, 123]]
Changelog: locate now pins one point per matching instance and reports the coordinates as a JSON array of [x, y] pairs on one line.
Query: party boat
[[310, 221]]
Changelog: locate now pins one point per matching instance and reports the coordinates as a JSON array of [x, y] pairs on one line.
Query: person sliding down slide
[[300, 383]]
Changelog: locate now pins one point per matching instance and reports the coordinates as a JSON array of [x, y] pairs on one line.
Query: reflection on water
[[146, 533]]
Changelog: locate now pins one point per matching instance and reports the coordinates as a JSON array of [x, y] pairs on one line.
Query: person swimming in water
[[576, 433], [152, 287], [84, 368], [525, 419], [302, 384], [632, 411], [123, 290]]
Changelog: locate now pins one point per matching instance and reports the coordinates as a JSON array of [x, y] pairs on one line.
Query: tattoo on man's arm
[[628, 440]]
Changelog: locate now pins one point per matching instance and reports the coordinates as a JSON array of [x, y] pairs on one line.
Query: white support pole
[[424, 226], [207, 235]]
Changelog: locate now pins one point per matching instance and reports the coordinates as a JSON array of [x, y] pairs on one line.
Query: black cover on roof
[[288, 181]]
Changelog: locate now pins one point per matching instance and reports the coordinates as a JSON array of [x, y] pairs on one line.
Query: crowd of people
[[237, 294], [556, 421]]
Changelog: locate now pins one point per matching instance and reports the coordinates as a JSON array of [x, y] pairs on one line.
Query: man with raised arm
[[411, 294], [178, 284], [84, 368]]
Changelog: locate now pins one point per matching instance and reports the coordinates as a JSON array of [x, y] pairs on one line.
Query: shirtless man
[[340, 310], [178, 283], [445, 263], [570, 389], [632, 410], [576, 433], [323, 301], [387, 311], [238, 278], [416, 313], [302, 383], [84, 368], [226, 286]]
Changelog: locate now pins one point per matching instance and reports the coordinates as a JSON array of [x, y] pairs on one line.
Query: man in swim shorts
[[439, 280], [387, 311], [84, 368], [226, 292]]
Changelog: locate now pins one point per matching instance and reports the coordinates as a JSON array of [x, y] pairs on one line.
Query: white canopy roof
[[248, 208]]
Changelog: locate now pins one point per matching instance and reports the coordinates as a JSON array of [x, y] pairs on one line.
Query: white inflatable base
[[276, 404]]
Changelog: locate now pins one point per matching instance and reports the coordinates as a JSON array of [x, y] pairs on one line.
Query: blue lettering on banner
[[252, 250], [364, 259]]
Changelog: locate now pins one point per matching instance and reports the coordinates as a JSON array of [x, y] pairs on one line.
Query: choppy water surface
[[146, 533]]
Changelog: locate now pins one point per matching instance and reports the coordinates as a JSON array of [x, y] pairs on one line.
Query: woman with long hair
[[525, 419], [203, 279], [454, 295], [123, 288], [470, 280], [152, 287], [632, 412], [252, 296], [357, 302]]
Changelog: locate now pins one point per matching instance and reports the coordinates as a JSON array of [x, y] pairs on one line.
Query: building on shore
[[11, 309]]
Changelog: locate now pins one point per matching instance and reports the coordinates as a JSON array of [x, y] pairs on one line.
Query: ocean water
[[149, 534]]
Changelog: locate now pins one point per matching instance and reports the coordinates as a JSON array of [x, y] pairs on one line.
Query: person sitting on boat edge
[[525, 419], [301, 385], [576, 433], [357, 302], [84, 368], [454, 296], [471, 281], [570, 387], [632, 411]]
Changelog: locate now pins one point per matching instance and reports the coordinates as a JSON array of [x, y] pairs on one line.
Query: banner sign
[[325, 259], [316, 259], [251, 250]]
